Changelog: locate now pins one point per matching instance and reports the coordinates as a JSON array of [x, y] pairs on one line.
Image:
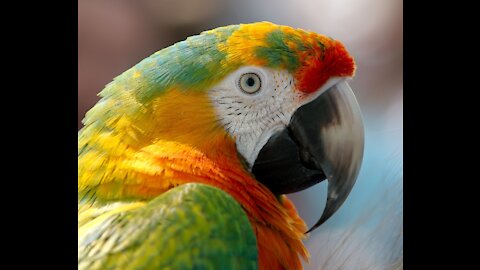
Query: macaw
[[185, 161]]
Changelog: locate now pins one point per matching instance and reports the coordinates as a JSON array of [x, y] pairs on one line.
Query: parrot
[[186, 159]]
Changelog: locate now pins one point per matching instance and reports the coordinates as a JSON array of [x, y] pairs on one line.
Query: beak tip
[[329, 210], [318, 224]]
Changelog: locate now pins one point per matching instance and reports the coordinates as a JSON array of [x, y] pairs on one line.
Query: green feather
[[190, 64], [277, 52], [192, 226]]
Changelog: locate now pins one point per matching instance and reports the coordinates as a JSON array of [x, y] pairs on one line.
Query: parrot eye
[[250, 83]]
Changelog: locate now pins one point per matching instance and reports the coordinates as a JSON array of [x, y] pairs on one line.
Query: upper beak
[[325, 139]]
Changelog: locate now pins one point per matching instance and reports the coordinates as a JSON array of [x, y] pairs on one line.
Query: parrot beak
[[324, 140]]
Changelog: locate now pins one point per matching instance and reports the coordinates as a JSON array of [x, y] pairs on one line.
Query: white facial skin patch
[[253, 103]]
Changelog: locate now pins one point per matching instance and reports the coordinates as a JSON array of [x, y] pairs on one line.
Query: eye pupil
[[250, 82]]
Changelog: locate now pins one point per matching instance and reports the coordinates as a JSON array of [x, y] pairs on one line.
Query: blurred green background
[[367, 232]]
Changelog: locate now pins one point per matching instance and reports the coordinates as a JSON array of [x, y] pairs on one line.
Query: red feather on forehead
[[323, 64]]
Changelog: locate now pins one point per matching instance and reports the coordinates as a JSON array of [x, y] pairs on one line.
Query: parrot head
[[271, 98]]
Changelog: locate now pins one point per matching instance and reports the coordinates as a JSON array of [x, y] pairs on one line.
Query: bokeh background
[[367, 232]]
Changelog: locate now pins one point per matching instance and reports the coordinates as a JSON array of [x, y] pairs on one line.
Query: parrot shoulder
[[189, 226]]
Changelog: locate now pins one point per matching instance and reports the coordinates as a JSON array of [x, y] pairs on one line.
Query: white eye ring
[[250, 83]]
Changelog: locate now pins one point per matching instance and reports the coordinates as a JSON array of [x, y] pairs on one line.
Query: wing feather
[[192, 226]]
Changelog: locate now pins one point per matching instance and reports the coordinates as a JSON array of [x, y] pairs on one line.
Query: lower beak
[[324, 140]]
